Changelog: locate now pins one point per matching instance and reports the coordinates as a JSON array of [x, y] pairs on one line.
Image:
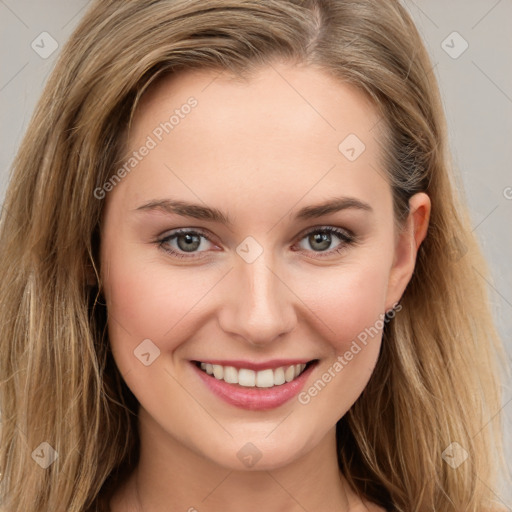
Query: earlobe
[[407, 245]]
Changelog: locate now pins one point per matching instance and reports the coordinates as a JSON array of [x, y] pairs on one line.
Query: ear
[[406, 247]]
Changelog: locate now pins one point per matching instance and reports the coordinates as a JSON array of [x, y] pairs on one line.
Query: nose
[[259, 304]]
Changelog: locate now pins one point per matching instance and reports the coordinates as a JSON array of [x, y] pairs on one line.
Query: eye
[[320, 239], [184, 241]]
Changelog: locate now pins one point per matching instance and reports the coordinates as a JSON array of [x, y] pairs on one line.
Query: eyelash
[[345, 236]]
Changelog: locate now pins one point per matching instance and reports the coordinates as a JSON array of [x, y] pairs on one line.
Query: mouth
[[255, 386], [247, 377]]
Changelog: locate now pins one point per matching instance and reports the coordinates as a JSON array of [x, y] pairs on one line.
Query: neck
[[170, 476]]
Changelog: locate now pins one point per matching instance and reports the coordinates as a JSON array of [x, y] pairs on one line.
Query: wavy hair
[[436, 381]]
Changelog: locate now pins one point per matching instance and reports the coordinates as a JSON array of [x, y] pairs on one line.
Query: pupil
[[324, 239], [192, 242]]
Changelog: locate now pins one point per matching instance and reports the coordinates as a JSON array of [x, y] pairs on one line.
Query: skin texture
[[258, 150]]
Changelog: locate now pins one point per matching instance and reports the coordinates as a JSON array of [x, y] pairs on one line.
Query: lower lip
[[253, 398]]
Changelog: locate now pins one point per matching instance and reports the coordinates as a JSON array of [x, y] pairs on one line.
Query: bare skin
[[259, 151]]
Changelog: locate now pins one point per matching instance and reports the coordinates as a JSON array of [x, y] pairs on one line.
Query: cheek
[[347, 301], [148, 299], [351, 310]]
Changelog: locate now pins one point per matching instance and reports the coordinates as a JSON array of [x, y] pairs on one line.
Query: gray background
[[477, 94]]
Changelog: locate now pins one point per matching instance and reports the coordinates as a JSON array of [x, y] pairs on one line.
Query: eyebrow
[[201, 212]]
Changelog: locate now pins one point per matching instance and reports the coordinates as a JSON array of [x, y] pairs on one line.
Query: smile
[[254, 386], [246, 377]]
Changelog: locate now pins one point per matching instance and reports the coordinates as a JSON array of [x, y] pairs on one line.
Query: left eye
[[320, 239], [184, 243]]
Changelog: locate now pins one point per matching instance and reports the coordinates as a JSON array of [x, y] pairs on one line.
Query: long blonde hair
[[436, 381]]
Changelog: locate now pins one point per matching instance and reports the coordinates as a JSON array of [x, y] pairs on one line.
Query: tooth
[[279, 376], [247, 377], [231, 375], [218, 371], [289, 373], [265, 379]]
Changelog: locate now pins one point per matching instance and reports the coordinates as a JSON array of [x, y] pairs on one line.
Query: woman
[[237, 274]]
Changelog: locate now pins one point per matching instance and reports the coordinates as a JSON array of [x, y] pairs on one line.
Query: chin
[[258, 452]]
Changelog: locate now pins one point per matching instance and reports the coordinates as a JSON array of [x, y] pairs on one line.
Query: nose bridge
[[260, 309]]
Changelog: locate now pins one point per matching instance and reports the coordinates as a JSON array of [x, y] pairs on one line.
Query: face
[[216, 250]]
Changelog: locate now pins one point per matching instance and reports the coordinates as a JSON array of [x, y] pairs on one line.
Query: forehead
[[273, 96], [283, 130]]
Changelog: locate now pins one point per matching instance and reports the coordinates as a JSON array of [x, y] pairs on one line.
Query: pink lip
[[255, 399]]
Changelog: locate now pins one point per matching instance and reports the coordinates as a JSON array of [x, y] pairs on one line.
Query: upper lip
[[256, 366]]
